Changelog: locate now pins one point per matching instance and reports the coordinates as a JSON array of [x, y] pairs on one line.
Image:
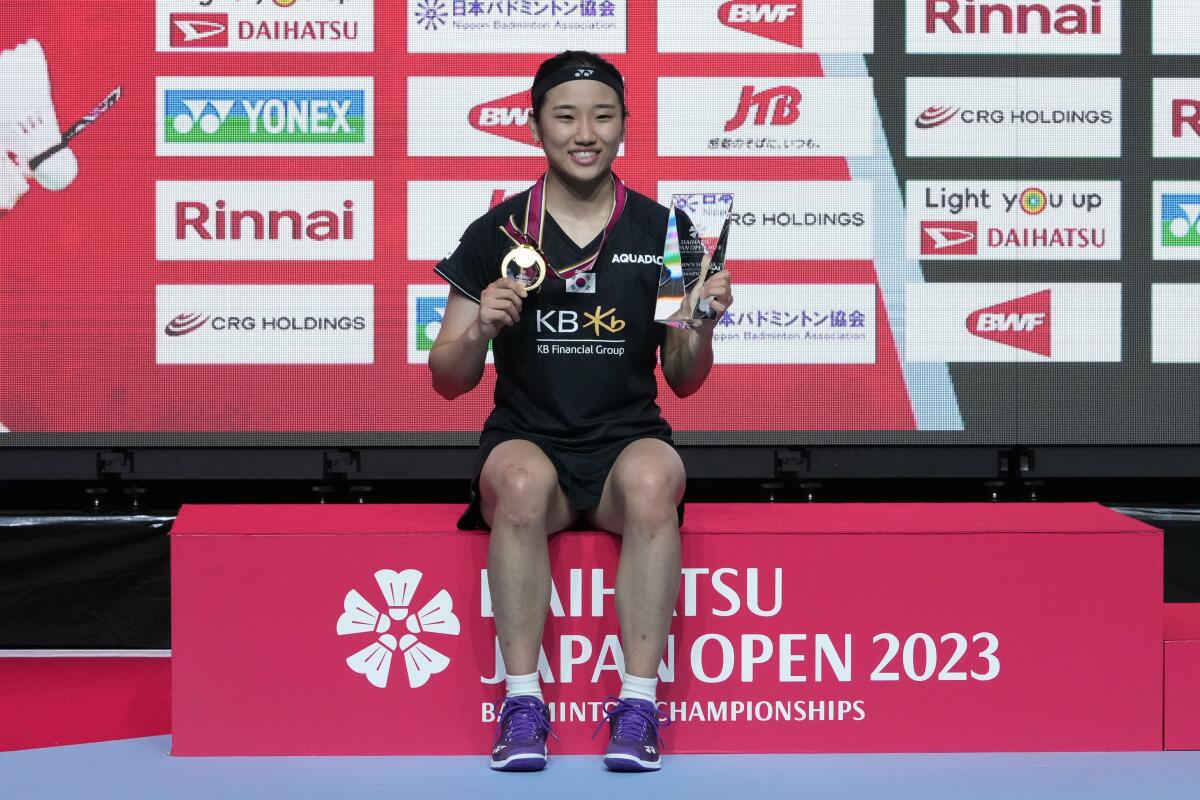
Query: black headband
[[576, 73]]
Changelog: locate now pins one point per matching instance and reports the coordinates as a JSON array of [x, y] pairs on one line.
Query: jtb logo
[[780, 105], [505, 116], [1023, 322], [780, 22]]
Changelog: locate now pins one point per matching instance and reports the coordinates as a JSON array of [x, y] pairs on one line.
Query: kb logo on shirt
[[566, 321]]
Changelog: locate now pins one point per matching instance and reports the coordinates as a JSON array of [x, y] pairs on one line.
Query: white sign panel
[[991, 322], [254, 324], [265, 220], [1175, 322], [1174, 27], [1014, 220], [790, 221], [765, 116], [426, 308], [1014, 27], [443, 26], [735, 26], [798, 324], [439, 212], [1014, 117]]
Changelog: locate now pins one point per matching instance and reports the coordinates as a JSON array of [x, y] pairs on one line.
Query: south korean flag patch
[[582, 283]]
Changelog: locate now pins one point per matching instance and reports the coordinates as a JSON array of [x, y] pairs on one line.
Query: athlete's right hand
[[14, 180], [500, 306]]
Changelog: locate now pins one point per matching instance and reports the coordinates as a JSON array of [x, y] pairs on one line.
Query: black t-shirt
[[578, 368]]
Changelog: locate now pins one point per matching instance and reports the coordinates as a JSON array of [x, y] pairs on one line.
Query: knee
[[650, 496], [522, 492]]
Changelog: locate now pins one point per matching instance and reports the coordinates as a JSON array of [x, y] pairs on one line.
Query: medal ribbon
[[530, 234]]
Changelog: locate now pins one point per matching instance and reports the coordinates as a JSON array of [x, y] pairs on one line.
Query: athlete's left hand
[[717, 289]]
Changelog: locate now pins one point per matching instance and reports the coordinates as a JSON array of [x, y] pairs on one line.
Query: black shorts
[[581, 472]]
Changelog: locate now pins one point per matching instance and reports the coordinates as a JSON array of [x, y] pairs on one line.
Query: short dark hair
[[576, 59]]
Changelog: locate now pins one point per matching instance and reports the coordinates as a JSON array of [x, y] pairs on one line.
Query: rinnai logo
[[1185, 116], [185, 324], [776, 106], [953, 238], [421, 661], [1008, 17], [265, 220], [1023, 322], [780, 22], [934, 116], [199, 30], [507, 117]]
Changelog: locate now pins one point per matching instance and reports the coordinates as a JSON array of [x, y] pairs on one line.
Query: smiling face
[[580, 127]]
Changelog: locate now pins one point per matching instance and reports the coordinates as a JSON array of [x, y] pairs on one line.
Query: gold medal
[[525, 265]]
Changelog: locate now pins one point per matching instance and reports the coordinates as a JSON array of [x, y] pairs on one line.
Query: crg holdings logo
[[399, 630], [780, 22], [1023, 322]]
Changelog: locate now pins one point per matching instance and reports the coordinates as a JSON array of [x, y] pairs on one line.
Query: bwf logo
[[398, 590], [779, 22]]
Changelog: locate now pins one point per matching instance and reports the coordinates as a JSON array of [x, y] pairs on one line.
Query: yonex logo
[[420, 660], [1180, 215], [267, 116], [584, 73]]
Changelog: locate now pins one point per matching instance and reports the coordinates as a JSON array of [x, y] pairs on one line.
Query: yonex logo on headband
[[583, 73]]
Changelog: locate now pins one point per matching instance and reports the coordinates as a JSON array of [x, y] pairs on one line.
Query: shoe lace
[[632, 721], [520, 719]]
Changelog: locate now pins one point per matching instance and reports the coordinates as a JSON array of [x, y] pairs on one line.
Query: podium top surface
[[701, 518]]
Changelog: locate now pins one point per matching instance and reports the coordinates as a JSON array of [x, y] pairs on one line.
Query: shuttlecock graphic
[[361, 617], [420, 660], [436, 616], [28, 122], [398, 589], [375, 661]]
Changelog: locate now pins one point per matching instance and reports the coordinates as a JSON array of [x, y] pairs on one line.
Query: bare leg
[[639, 503], [523, 504]]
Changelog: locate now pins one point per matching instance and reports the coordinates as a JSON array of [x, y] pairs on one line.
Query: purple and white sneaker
[[521, 730], [634, 744]]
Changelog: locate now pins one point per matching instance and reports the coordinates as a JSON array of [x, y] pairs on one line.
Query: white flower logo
[[420, 660]]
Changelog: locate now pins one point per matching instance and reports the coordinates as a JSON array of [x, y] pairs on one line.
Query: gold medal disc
[[525, 264]]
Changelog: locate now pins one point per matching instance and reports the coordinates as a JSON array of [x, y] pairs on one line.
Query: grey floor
[[140, 768]]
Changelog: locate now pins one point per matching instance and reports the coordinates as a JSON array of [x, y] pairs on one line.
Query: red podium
[[799, 628]]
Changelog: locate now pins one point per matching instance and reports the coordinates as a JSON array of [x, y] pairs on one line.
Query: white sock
[[523, 684], [639, 688]]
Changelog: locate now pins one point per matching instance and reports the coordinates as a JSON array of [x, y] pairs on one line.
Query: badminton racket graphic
[[73, 131]]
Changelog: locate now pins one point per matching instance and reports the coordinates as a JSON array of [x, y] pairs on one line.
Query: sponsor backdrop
[[953, 221]]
